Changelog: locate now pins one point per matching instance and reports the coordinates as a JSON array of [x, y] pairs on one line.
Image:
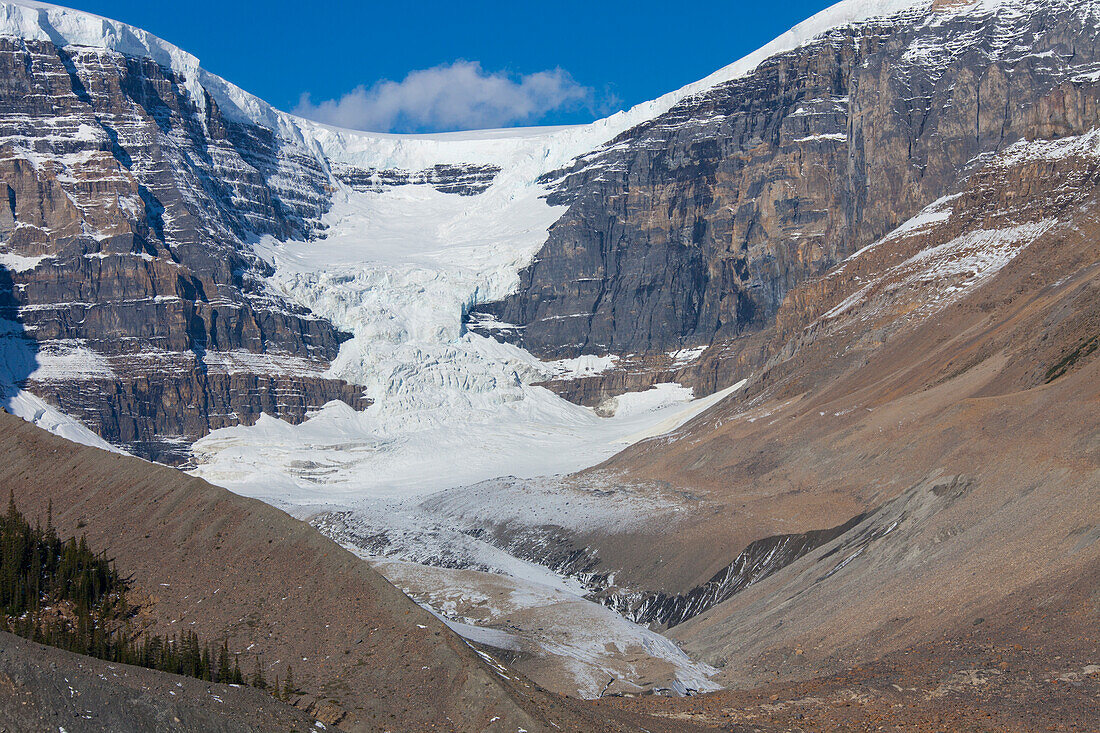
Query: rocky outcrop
[[156, 405], [128, 206], [692, 228], [464, 180]]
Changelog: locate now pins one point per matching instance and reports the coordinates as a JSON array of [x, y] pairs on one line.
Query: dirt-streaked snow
[[566, 640]]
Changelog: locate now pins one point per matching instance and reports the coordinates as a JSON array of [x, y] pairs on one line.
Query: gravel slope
[[47, 689]]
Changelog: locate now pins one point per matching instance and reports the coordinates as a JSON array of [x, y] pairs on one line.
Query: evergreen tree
[[288, 688], [38, 570], [224, 673], [258, 680]]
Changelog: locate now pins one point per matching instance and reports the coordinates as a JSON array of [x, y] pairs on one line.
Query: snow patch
[[32, 409], [582, 366], [686, 356], [1028, 151], [941, 274], [639, 403], [69, 359], [19, 263]]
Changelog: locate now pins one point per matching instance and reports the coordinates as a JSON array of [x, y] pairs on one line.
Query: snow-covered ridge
[[552, 146], [523, 152], [35, 21], [69, 28]]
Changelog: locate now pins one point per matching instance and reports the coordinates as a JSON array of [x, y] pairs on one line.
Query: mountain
[[130, 194], [794, 366], [149, 181]]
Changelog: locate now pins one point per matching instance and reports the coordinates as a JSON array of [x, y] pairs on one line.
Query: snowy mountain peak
[[65, 27], [75, 29]]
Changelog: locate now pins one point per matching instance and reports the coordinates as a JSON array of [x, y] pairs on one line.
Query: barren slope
[[945, 383], [1018, 669], [942, 386], [49, 689]]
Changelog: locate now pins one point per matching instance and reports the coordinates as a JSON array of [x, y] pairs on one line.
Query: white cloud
[[457, 96]]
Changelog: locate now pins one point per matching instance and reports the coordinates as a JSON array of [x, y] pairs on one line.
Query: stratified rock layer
[[692, 228], [135, 204]]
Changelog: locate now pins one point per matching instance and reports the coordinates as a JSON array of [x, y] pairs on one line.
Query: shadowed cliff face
[[144, 298], [759, 560], [17, 350], [693, 227]]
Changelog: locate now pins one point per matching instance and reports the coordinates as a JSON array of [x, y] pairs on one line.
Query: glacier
[[398, 269]]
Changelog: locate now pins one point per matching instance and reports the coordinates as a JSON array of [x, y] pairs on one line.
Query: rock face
[[156, 405], [759, 560], [692, 228], [126, 214], [464, 180]]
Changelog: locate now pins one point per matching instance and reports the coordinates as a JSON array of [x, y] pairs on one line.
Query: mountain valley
[[769, 404]]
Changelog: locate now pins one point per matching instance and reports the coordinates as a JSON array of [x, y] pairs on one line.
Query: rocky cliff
[[127, 211], [692, 228], [464, 180]]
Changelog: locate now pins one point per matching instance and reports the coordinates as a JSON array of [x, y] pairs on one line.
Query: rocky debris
[[694, 227], [983, 674], [558, 639], [464, 180]]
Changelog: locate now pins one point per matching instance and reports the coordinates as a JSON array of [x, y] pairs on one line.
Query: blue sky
[[429, 66]]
